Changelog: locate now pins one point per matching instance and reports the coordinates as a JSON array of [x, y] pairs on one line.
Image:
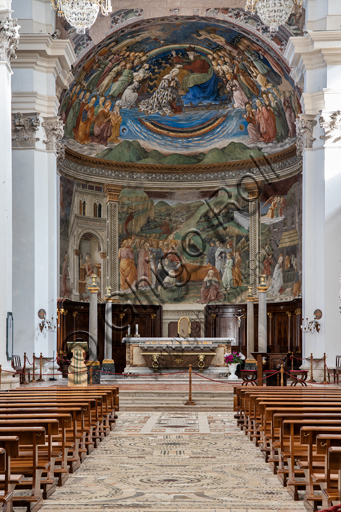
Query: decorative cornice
[[54, 129], [9, 39], [331, 124], [179, 169], [213, 179], [24, 128], [305, 128]]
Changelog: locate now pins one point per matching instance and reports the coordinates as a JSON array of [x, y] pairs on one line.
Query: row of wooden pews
[[45, 434], [299, 434]]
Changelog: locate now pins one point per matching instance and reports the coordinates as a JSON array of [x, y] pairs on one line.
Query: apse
[[193, 94]]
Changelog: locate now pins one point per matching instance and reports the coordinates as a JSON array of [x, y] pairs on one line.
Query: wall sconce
[[310, 326], [48, 325]]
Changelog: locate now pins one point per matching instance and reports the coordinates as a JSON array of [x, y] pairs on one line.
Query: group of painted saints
[[157, 264], [242, 73]]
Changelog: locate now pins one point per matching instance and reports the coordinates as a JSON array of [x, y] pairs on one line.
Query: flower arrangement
[[234, 358]]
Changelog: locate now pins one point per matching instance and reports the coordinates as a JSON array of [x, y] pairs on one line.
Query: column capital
[[76, 252], [305, 124], [330, 122], [54, 129], [253, 189], [103, 255], [9, 39], [24, 128], [112, 192]]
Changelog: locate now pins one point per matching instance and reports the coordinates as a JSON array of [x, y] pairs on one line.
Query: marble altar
[[152, 355]]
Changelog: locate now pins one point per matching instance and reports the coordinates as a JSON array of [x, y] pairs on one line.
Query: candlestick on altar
[[128, 334]]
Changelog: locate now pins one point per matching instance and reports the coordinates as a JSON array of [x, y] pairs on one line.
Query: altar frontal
[[147, 355]]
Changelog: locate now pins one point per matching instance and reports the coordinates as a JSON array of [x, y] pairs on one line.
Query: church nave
[[174, 462]]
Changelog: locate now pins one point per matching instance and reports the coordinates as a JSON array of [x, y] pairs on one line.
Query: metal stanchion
[[324, 369], [311, 368], [282, 375], [24, 370], [190, 401], [292, 360], [34, 368], [41, 369]]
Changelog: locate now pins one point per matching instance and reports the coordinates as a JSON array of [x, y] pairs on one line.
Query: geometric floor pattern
[[173, 462]]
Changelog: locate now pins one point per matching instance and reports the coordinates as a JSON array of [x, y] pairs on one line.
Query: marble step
[[163, 394], [133, 407], [159, 400]]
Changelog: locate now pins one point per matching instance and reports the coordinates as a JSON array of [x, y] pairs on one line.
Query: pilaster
[[112, 192], [9, 37], [315, 60]]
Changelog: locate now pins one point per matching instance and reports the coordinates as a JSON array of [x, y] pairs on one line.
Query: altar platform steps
[[146, 400]]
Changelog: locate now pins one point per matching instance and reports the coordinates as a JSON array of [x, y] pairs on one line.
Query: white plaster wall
[[34, 15], [332, 242], [35, 247], [313, 255], [5, 201]]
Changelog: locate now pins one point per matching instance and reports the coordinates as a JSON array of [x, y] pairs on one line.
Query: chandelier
[[81, 14], [273, 12]]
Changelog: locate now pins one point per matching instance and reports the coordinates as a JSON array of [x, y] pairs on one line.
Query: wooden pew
[[311, 407], [29, 440], [331, 494], [8, 480]]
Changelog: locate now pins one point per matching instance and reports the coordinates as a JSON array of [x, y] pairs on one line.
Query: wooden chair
[[16, 365], [337, 369]]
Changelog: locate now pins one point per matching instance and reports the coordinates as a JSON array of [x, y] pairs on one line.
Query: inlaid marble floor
[[173, 462]]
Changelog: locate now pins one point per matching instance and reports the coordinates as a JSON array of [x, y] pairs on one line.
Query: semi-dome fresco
[[180, 93]]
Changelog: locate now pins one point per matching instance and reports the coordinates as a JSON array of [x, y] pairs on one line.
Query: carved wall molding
[[305, 124], [54, 129], [331, 124], [9, 38], [24, 128]]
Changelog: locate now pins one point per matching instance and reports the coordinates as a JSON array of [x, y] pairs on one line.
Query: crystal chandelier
[[273, 12], [81, 14]]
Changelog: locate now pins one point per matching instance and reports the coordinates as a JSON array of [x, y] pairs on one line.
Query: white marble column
[[250, 325], [108, 331], [315, 60], [93, 321], [8, 43], [262, 316], [40, 72]]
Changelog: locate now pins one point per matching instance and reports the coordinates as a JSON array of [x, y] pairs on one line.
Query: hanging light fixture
[[81, 14], [273, 12]]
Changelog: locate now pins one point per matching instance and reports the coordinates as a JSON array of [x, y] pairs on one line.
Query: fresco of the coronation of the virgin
[[180, 94]]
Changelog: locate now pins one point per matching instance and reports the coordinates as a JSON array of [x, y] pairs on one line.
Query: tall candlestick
[[136, 328], [129, 330]]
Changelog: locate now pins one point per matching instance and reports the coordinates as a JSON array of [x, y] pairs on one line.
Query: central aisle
[[173, 462]]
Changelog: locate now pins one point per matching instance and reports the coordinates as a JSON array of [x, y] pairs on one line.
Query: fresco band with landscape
[[188, 246], [166, 93]]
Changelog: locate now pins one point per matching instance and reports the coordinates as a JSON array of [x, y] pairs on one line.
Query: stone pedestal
[[94, 372], [108, 369], [77, 369]]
